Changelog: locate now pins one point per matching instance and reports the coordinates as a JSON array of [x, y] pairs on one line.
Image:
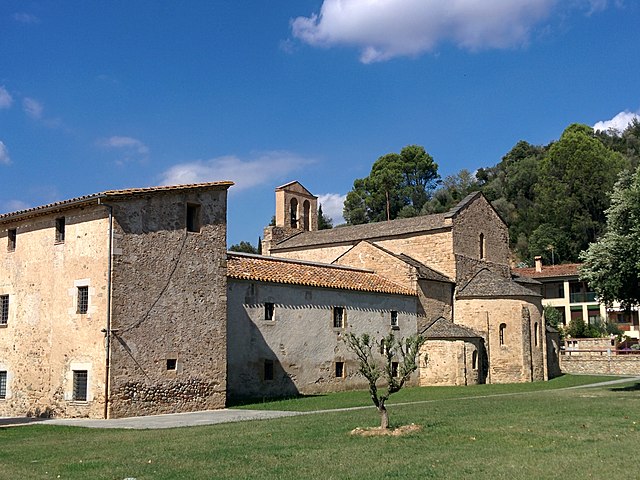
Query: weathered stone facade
[[45, 338], [298, 348], [90, 332]]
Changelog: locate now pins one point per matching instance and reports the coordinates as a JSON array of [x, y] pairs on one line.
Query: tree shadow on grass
[[629, 388]]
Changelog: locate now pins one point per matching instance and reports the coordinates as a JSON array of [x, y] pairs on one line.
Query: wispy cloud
[[131, 148], [27, 18], [32, 108], [13, 206], [4, 154], [261, 168], [332, 206], [125, 142], [386, 29], [6, 100], [618, 123]]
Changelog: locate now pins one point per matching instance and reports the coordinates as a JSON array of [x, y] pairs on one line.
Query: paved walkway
[[211, 417]]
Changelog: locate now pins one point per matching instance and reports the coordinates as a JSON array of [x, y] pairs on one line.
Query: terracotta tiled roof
[[549, 271], [88, 199], [487, 284], [280, 270]]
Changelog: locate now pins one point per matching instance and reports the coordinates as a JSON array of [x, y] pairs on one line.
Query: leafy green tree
[[552, 316], [324, 222], [611, 266], [575, 177], [396, 181], [244, 247], [398, 361]]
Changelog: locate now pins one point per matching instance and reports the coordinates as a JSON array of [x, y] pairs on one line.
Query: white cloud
[[127, 143], [262, 168], [383, 29], [5, 98], [4, 154], [32, 108], [27, 18], [617, 123], [332, 206]]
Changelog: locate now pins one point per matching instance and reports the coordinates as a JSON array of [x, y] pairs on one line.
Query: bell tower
[[296, 212]]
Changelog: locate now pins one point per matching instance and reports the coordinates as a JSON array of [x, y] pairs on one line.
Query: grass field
[[538, 430]]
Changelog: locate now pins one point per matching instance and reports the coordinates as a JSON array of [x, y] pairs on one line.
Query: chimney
[[538, 260]]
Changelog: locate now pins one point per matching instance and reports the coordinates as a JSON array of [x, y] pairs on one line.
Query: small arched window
[[294, 213], [535, 334], [307, 213], [474, 360], [482, 246], [503, 327]]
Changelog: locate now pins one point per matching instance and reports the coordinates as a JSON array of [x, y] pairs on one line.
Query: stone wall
[[600, 364], [301, 342], [476, 219], [435, 299], [451, 362], [519, 358], [368, 256], [46, 338], [169, 305]]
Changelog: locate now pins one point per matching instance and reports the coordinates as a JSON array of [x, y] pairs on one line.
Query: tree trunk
[[384, 417]]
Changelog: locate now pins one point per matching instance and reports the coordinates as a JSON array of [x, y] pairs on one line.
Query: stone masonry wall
[[301, 341], [601, 364], [475, 219], [518, 359], [45, 338], [169, 305], [449, 362]]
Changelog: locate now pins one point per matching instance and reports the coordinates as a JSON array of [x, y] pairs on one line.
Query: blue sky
[[106, 95]]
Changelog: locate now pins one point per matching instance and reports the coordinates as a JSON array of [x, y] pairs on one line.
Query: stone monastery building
[[127, 303]]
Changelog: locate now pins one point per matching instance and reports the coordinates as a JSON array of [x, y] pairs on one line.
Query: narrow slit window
[[12, 235], [394, 318], [482, 246], [83, 300], [338, 317], [474, 360], [535, 334], [80, 378], [60, 229], [503, 327], [394, 369], [193, 217], [269, 308], [4, 309], [340, 370]]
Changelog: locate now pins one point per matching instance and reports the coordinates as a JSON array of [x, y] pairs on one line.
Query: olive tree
[[394, 361]]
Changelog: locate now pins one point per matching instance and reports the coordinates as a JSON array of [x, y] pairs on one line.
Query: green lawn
[[534, 430]]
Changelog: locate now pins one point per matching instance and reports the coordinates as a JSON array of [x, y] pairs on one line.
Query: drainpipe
[[107, 330]]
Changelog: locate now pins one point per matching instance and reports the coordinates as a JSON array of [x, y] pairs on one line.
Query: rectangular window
[[172, 363], [80, 385], [4, 309], [339, 369], [268, 311], [12, 234], [268, 369], [60, 224], [83, 300], [394, 318], [193, 217], [554, 290], [3, 384], [338, 317], [394, 369]]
